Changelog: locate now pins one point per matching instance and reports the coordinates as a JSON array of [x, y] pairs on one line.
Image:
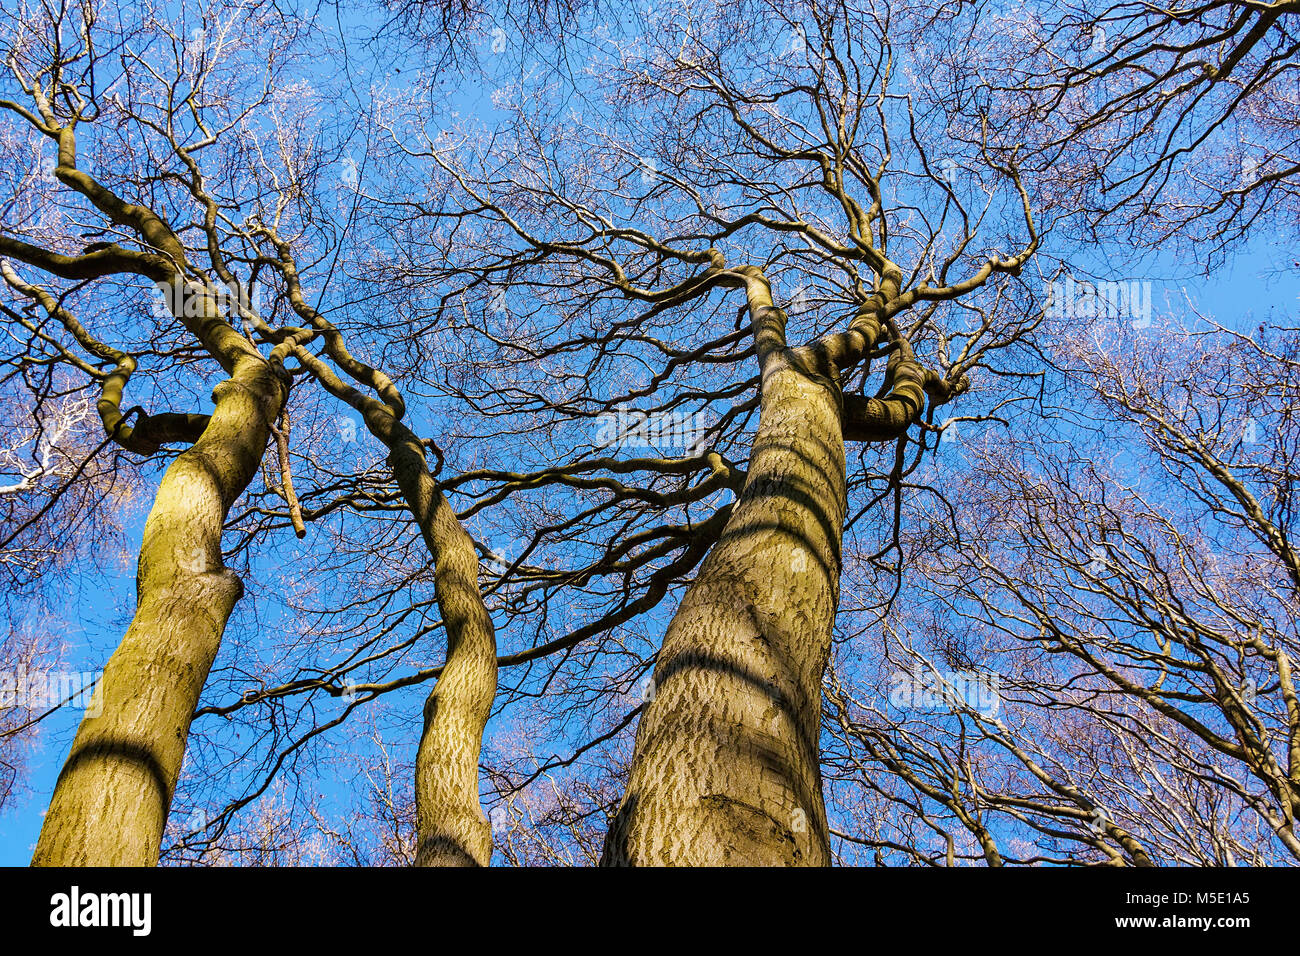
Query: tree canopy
[[728, 432]]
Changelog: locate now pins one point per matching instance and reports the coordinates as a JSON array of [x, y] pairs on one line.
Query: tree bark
[[450, 825], [112, 797], [726, 766], [451, 829]]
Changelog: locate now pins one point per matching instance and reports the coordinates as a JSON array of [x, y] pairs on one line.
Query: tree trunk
[[450, 825], [726, 766], [112, 797]]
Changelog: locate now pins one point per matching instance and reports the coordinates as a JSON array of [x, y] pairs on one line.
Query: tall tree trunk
[[111, 800], [726, 766], [451, 827]]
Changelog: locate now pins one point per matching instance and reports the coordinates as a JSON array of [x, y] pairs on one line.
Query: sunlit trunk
[[726, 768], [450, 825], [111, 800]]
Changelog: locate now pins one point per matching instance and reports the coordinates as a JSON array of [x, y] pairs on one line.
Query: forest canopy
[[695, 432]]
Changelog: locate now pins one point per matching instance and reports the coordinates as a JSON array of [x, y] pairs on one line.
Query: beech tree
[[726, 767], [125, 762]]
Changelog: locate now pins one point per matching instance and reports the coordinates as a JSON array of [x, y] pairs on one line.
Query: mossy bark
[[450, 825], [726, 766], [112, 797]]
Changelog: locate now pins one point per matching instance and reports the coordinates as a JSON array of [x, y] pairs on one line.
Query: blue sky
[[1261, 283]]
